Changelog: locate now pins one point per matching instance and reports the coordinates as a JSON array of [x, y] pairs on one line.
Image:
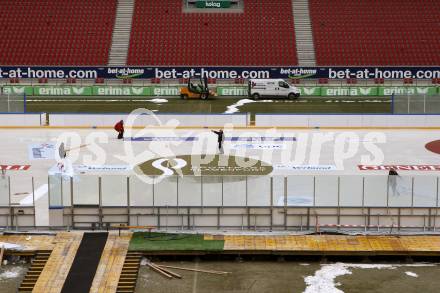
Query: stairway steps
[[129, 274], [121, 33], [303, 32], [34, 271]]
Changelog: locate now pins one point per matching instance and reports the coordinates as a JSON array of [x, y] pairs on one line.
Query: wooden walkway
[[30, 242], [112, 260], [332, 244], [57, 267], [64, 247]]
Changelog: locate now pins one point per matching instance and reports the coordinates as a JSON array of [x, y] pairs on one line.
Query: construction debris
[[156, 269], [164, 270], [175, 275], [195, 270]]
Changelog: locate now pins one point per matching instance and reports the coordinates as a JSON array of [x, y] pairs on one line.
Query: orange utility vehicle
[[197, 91]]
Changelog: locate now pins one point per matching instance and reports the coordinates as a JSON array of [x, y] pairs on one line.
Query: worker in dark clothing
[[220, 138], [392, 181], [119, 127], [393, 172]]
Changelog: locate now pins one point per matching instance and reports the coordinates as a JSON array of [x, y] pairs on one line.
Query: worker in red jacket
[[119, 127]]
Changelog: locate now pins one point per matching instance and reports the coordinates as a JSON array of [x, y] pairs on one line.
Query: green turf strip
[[145, 241]]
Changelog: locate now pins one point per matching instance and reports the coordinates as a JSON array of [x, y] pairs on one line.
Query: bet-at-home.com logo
[[297, 73]]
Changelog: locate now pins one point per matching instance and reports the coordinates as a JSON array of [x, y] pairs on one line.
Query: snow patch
[[144, 261], [324, 279], [411, 274], [376, 101], [12, 273], [11, 246], [234, 107], [158, 101]]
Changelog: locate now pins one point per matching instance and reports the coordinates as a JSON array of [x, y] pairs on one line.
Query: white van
[[271, 87]]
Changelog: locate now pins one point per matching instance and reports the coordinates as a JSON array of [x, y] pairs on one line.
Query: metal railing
[[415, 104], [367, 203], [249, 202]]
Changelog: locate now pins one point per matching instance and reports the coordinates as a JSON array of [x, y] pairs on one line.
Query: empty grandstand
[[388, 32], [147, 139], [56, 32], [261, 33], [162, 34]]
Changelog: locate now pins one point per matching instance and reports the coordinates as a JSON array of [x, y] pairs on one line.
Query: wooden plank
[[332, 243], [157, 269], [30, 242], [111, 263], [196, 270], [175, 275], [58, 265]]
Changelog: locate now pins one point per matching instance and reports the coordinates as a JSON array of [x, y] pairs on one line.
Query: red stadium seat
[[239, 80], [262, 35], [56, 32], [391, 32], [155, 80]]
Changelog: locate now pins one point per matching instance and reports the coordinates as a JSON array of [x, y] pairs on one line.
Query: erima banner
[[220, 72], [334, 91], [114, 90]]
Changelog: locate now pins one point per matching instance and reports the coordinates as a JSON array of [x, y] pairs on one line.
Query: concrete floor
[[294, 276]]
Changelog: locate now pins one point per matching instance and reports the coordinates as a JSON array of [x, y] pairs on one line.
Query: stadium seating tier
[[163, 34], [373, 32], [56, 32]]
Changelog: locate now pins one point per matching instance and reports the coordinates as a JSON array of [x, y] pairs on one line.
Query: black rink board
[[86, 262]]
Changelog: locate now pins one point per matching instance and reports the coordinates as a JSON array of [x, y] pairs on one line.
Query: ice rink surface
[[289, 152]]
